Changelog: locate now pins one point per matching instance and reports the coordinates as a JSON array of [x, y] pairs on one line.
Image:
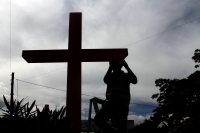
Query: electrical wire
[[52, 87], [161, 32], [10, 34], [46, 73], [81, 94], [40, 85], [122, 46], [127, 44], [65, 67]]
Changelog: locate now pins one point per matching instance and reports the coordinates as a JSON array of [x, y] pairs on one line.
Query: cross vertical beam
[[74, 72], [74, 95]]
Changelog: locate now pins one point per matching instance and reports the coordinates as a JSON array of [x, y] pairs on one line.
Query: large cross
[[74, 56]]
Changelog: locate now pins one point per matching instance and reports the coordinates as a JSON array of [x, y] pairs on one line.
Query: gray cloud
[[105, 24]]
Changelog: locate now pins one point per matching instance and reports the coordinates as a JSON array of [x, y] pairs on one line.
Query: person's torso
[[118, 89]]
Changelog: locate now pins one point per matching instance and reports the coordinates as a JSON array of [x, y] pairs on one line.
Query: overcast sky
[[38, 25]]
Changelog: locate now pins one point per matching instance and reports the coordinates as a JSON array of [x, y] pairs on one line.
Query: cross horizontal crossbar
[[74, 55], [83, 55]]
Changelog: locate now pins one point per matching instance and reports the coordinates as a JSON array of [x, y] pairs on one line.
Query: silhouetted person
[[117, 98]]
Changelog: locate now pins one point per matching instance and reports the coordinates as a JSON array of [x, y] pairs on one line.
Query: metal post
[[89, 116], [11, 95], [17, 90]]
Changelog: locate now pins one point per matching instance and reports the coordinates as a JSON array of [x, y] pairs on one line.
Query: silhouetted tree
[[196, 57], [179, 98]]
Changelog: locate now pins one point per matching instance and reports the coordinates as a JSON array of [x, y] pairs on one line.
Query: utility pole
[[11, 95]]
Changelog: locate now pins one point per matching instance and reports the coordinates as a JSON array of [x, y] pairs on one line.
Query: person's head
[[116, 65]]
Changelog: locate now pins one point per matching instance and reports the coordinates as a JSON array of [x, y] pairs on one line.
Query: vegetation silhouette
[[178, 99], [20, 119], [196, 57]]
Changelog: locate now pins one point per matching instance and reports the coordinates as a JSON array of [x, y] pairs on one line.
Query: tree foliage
[[21, 119], [177, 99], [180, 97], [196, 57]]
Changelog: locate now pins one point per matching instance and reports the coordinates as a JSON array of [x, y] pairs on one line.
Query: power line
[[48, 87], [65, 67], [46, 73], [128, 44], [10, 34], [39, 85], [81, 94], [122, 46], [161, 32]]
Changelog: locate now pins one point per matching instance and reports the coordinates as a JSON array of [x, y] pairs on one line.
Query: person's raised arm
[[133, 78], [106, 78]]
